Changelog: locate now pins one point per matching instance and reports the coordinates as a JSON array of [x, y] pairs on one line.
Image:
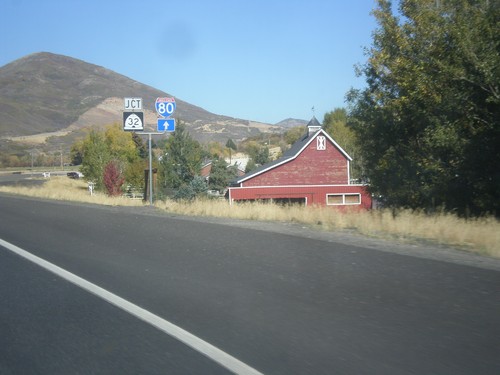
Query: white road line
[[171, 329]]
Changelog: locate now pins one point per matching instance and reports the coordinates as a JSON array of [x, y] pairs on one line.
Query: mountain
[[48, 99], [291, 123]]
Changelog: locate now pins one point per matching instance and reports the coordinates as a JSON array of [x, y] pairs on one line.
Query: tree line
[[115, 161], [427, 122]]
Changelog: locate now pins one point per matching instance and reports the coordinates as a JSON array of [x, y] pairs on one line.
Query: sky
[[260, 60]]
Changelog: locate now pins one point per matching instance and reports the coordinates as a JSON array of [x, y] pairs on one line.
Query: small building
[[314, 171]]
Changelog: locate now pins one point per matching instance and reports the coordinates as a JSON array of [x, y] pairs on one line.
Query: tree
[[335, 123], [113, 179], [121, 144], [95, 156], [250, 166], [76, 153], [100, 147], [134, 174], [294, 134], [231, 146], [220, 174], [197, 187], [140, 146], [257, 152], [427, 122], [262, 156], [182, 158]]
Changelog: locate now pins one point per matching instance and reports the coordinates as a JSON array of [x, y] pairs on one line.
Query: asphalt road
[[26, 178], [282, 303]]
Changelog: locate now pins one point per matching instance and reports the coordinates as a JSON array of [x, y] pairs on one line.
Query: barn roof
[[292, 152], [314, 123]]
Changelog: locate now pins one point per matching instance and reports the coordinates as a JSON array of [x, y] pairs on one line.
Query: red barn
[[314, 171]]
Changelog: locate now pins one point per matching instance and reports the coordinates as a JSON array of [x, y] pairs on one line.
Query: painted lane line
[[224, 359]]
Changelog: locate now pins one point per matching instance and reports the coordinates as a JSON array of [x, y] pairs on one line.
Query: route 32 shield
[[133, 121]]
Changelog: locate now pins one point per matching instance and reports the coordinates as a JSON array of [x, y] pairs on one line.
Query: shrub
[[113, 179], [197, 187]]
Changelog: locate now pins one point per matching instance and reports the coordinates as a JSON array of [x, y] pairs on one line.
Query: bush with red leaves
[[113, 179]]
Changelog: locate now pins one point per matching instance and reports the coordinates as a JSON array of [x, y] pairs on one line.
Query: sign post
[[134, 121], [164, 107]]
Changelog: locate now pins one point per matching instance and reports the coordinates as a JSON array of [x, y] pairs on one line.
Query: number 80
[[168, 107]]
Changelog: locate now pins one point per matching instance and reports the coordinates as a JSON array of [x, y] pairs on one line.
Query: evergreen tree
[[231, 146], [182, 160], [220, 175], [262, 156], [140, 146]]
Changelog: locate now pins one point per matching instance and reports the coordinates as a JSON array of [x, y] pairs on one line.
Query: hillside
[[291, 123], [47, 99]]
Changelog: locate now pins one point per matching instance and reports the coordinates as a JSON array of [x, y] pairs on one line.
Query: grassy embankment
[[480, 235], [64, 188]]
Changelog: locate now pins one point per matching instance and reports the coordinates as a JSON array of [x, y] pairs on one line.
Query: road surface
[[293, 302]]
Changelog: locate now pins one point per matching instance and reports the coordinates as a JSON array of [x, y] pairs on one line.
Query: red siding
[[311, 167], [205, 170], [314, 195]]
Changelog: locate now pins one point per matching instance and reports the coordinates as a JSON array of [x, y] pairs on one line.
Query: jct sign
[[132, 104]]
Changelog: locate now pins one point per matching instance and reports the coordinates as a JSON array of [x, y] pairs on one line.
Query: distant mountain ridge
[[46, 93], [291, 123]]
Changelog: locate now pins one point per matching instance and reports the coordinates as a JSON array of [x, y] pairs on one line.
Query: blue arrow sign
[[166, 124]]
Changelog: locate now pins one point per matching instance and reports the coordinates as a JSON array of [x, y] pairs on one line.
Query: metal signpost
[[134, 121], [164, 107]]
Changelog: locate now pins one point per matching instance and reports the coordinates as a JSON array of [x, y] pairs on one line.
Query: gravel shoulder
[[417, 248]]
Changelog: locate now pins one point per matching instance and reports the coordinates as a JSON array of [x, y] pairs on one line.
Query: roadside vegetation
[[66, 189], [480, 235]]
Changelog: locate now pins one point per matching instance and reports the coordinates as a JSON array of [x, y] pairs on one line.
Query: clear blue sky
[[262, 60]]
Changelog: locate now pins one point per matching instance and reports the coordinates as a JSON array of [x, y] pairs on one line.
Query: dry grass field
[[63, 188], [481, 235]]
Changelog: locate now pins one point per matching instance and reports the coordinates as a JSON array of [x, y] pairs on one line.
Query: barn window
[[334, 199], [352, 198], [321, 143], [342, 199]]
